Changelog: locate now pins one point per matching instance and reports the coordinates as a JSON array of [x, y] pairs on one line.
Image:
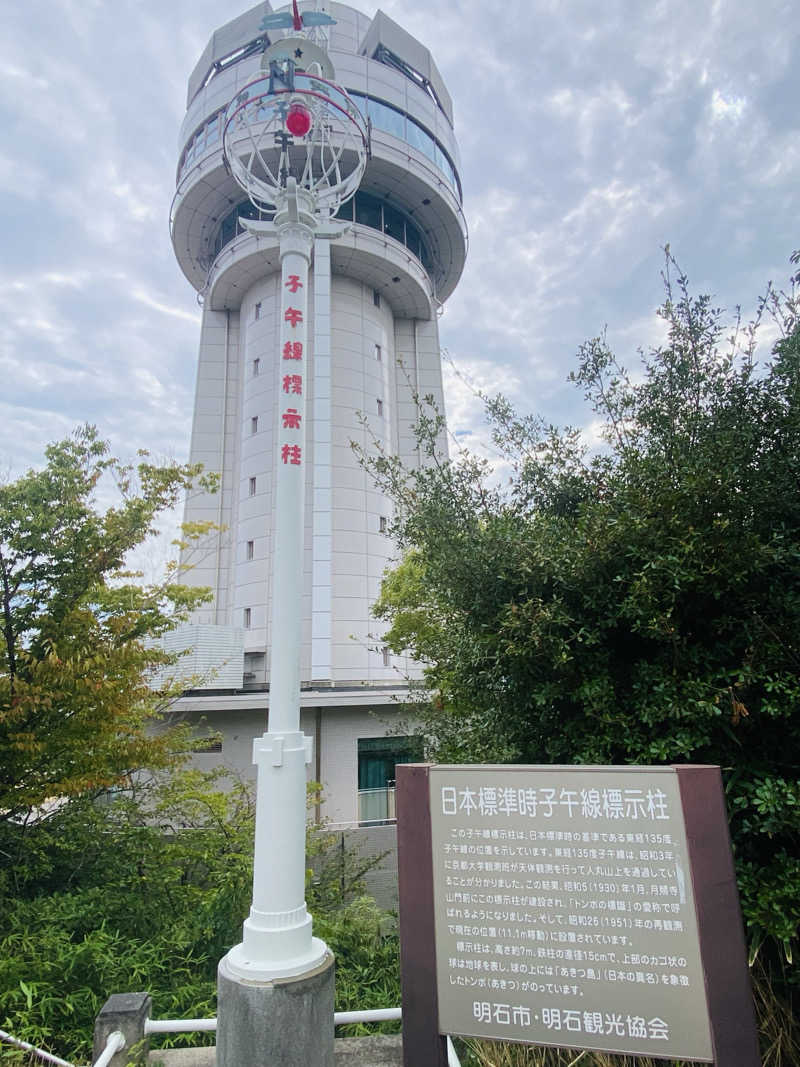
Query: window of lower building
[[377, 759], [213, 744]]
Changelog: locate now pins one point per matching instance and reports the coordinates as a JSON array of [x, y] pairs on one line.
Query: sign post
[[590, 908]]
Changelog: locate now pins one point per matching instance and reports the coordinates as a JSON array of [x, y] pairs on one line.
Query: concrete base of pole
[[288, 1021]]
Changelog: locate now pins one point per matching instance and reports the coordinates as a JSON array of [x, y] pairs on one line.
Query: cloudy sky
[[591, 134]]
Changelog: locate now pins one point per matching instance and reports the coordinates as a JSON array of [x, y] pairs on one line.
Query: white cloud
[[20, 179], [26, 80], [590, 136], [728, 107], [176, 312]]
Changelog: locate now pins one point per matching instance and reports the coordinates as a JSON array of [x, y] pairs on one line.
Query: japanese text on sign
[[611, 803], [564, 911]]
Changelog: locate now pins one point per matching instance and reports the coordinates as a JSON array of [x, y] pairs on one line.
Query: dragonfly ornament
[[293, 20]]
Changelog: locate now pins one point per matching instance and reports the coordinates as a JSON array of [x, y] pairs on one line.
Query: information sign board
[[590, 908], [563, 909]]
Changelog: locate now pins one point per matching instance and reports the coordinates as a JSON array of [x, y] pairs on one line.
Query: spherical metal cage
[[311, 131]]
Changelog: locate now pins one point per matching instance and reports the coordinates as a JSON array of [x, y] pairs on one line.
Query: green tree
[[78, 631], [639, 603], [148, 891], [141, 880]]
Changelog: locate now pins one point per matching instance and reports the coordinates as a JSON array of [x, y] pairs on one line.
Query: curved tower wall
[[381, 302], [374, 296]]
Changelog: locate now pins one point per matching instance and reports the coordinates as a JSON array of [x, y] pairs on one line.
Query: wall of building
[[375, 847], [341, 729], [335, 729], [378, 367], [216, 434]]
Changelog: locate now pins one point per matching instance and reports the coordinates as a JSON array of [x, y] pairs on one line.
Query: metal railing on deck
[[48, 1057], [376, 806], [340, 1018], [114, 1043]]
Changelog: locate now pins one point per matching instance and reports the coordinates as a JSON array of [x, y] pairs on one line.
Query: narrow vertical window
[[252, 487], [251, 548], [254, 424], [258, 310], [247, 618], [383, 524], [256, 367], [380, 406], [378, 353], [376, 298], [386, 661]]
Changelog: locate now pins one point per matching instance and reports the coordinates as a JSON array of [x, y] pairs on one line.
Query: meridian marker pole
[[291, 147]]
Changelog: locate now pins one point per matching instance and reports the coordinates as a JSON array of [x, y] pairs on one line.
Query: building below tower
[[374, 299]]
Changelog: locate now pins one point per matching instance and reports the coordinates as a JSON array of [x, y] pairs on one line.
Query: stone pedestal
[[125, 1012], [287, 1021]]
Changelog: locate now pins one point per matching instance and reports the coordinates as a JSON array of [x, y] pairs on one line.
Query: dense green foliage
[[76, 629], [115, 877], [108, 902], [636, 603]]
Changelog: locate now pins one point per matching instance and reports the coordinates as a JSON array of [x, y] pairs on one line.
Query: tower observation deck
[[374, 295]]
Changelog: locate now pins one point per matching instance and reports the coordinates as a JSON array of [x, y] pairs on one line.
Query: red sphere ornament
[[298, 120]]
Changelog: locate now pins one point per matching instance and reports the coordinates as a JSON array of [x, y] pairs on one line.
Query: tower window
[[252, 487], [250, 550], [258, 310], [386, 658], [247, 618], [378, 353], [380, 406], [376, 298], [383, 524], [394, 224], [254, 424], [256, 367]]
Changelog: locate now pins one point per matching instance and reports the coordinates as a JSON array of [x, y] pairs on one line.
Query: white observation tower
[[370, 303]]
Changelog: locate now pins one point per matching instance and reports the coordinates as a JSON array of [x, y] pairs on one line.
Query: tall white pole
[[277, 937], [275, 989]]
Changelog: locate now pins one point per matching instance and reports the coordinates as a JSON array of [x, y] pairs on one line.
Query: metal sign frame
[[723, 956]]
